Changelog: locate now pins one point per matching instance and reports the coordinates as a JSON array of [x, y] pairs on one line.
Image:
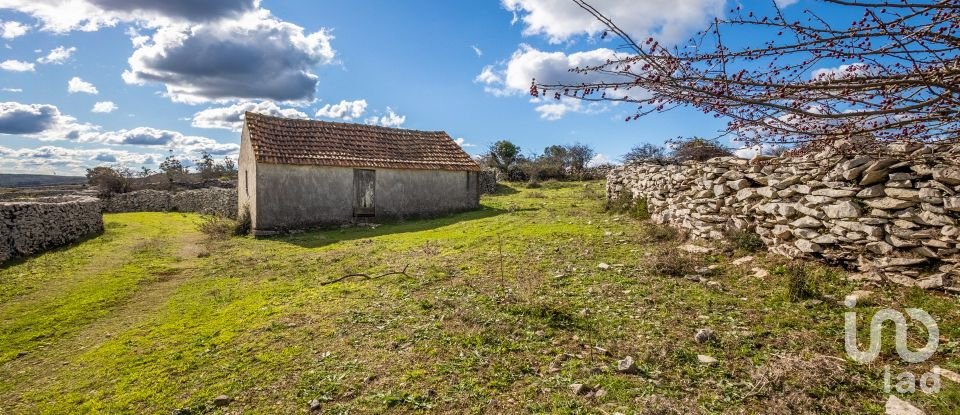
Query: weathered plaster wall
[[247, 179], [27, 228], [296, 197], [893, 215]]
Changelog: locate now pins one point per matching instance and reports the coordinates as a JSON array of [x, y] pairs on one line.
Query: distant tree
[[579, 155], [697, 149], [229, 166], [206, 166], [504, 154], [108, 180], [646, 153], [145, 172], [172, 168]]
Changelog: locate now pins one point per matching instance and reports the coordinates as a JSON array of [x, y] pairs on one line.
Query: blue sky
[[173, 76]]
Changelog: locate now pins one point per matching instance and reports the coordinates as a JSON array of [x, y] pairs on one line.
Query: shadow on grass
[[320, 238], [19, 259], [503, 190]]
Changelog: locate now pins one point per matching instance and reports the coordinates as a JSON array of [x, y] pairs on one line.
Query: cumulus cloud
[[390, 119], [60, 16], [104, 107], [345, 110], [528, 63], [192, 10], [10, 30], [462, 142], [67, 160], [39, 120], [552, 110], [57, 56], [231, 117], [77, 85], [599, 159], [668, 20], [255, 56], [14, 65], [154, 137], [849, 71]]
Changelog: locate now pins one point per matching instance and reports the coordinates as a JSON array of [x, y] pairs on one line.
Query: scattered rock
[[603, 265], [897, 406], [741, 261], [627, 366], [222, 400], [705, 335], [579, 389], [694, 249], [709, 360], [760, 273], [314, 405], [861, 297]]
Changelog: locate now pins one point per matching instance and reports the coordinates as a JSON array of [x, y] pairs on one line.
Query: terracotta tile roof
[[322, 143]]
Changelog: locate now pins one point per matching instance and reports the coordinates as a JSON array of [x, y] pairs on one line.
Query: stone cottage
[[297, 174]]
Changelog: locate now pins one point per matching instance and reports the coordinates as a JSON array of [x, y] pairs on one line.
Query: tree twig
[[368, 277]]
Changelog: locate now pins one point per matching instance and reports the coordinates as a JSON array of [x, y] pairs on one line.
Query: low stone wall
[[30, 227], [895, 216], [214, 201], [488, 182]]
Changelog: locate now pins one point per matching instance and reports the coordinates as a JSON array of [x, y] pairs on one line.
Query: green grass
[[501, 309]]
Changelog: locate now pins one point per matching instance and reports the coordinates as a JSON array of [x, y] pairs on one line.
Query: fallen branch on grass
[[368, 277]]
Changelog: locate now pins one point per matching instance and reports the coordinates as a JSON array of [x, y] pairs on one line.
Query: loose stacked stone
[[27, 228], [895, 215]]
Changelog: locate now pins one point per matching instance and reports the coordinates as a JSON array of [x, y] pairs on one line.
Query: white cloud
[[231, 117], [154, 137], [390, 119], [463, 143], [345, 110], [476, 50], [16, 66], [669, 21], [12, 89], [528, 63], [61, 16], [77, 85], [62, 160], [57, 56], [786, 3], [252, 56], [44, 122], [552, 109], [10, 30], [598, 160], [841, 72], [104, 107]]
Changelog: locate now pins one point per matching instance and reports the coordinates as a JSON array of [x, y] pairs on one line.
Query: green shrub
[[635, 208], [746, 240], [659, 233], [799, 286]]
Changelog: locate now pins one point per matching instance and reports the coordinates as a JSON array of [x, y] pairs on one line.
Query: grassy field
[[500, 311]]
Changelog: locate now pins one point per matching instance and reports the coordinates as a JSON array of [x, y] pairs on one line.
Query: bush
[[746, 240], [108, 180], [635, 208], [673, 263], [799, 287], [217, 227], [243, 222], [659, 233], [533, 183]]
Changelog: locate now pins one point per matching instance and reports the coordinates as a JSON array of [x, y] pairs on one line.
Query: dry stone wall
[[27, 228], [488, 182], [215, 201], [894, 215]]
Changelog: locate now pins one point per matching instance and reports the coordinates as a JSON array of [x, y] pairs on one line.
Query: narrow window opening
[[246, 182]]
